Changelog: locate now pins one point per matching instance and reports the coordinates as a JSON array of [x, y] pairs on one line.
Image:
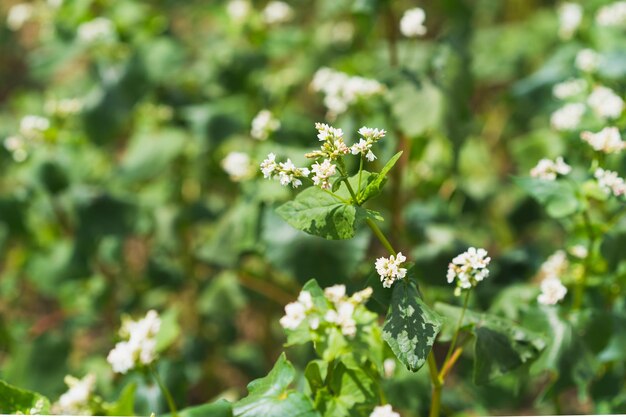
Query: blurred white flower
[[556, 265], [238, 10], [389, 269], [579, 251], [139, 348], [569, 88], [610, 182], [97, 30], [547, 169], [389, 367], [295, 313], [17, 146], [263, 124], [587, 60], [76, 400], [18, 15], [469, 268], [552, 291], [567, 117], [335, 293], [412, 23], [322, 172], [237, 165], [608, 140], [277, 12], [384, 411], [342, 317], [64, 107], [33, 127], [570, 16], [613, 14], [605, 103], [342, 32]]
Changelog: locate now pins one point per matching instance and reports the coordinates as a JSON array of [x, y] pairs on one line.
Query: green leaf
[[170, 330], [221, 408], [558, 197], [315, 212], [416, 109], [377, 181], [411, 326], [14, 400], [270, 396], [125, 404]]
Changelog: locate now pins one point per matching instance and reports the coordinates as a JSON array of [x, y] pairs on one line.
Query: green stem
[[379, 234], [360, 172], [342, 170], [456, 331], [166, 393]]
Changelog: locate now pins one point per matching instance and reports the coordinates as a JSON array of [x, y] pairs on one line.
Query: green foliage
[[14, 400]]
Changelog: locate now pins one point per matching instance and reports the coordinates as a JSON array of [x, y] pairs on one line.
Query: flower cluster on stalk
[[608, 140], [468, 268], [384, 411], [390, 269], [610, 182], [264, 124], [75, 401], [552, 289], [139, 346], [547, 169]]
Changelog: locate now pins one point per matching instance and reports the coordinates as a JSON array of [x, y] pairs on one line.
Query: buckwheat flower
[[389, 269], [238, 10], [469, 268], [362, 296], [384, 411], [296, 312], [290, 174], [570, 16], [389, 367], [17, 146], [269, 166], [608, 140], [76, 400], [552, 291], [140, 346], [556, 265], [277, 12], [569, 88], [567, 117], [328, 133], [122, 357], [18, 15], [547, 169], [343, 317], [610, 182], [333, 145], [335, 293], [579, 251], [412, 23], [306, 300], [33, 127], [612, 15], [97, 30], [587, 60], [64, 107], [372, 134], [237, 166], [363, 147], [605, 103], [263, 124], [322, 172]]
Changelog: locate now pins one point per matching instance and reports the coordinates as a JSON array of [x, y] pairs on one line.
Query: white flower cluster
[[237, 165], [605, 103], [389, 269], [238, 10], [412, 23], [570, 17], [610, 182], [579, 251], [139, 348], [18, 15], [556, 265], [17, 146], [569, 88], [264, 124], [587, 60], [547, 169], [613, 14], [341, 90], [64, 107], [567, 117], [98, 30], [34, 127], [552, 291], [469, 268], [76, 400], [277, 12], [333, 146], [286, 172], [384, 411], [322, 172], [364, 146], [341, 314], [608, 140]]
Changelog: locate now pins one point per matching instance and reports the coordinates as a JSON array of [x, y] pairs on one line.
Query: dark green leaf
[[14, 400], [377, 181], [558, 197]]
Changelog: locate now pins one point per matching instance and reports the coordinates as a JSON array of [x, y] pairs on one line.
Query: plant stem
[[579, 290], [360, 172], [456, 333], [166, 393], [342, 170], [381, 237]]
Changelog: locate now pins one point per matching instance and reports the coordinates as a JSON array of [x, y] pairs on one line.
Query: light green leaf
[[416, 109], [170, 330], [558, 197], [15, 400], [377, 181], [411, 326], [125, 404]]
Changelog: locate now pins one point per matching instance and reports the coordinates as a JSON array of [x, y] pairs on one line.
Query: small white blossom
[[389, 367], [605, 103], [567, 117], [552, 291], [64, 107], [555, 265], [389, 269], [322, 172], [610, 182], [76, 400], [237, 165], [269, 165], [384, 411], [238, 10], [17, 146], [18, 15], [547, 169], [333, 146], [363, 147], [277, 12], [608, 140], [335, 293], [33, 127], [289, 174], [587, 60], [412, 23], [263, 124], [140, 346], [342, 317], [306, 300], [362, 296], [579, 251], [569, 88], [613, 14], [97, 30], [295, 313], [570, 16], [469, 268]]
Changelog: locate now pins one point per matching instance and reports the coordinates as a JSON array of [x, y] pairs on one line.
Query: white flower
[[33, 127], [17, 146], [328, 133], [268, 166], [18, 15], [412, 23], [342, 317], [579, 251], [335, 293], [237, 165], [608, 140], [277, 12], [569, 88], [613, 14], [363, 147], [555, 265], [306, 300], [238, 10], [389, 269], [288, 174], [548, 170], [587, 60], [384, 411], [263, 124], [372, 134], [605, 103], [610, 182], [389, 367], [64, 107], [140, 346], [570, 16], [295, 313], [122, 357], [552, 291], [323, 172], [97, 30], [76, 400], [362, 296], [567, 117], [469, 268]]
